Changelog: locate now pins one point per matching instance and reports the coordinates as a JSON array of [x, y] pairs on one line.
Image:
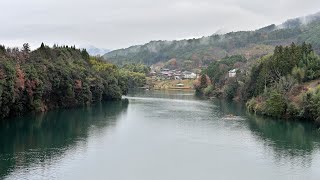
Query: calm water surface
[[157, 136]]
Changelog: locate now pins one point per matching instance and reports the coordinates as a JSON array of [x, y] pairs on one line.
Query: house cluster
[[167, 74]]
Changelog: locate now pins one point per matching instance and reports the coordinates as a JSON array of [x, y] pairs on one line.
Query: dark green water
[[158, 135]]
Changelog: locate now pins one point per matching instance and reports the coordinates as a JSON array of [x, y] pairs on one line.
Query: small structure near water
[[180, 85]]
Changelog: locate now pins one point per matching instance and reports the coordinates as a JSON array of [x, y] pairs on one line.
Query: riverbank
[[283, 85], [172, 84], [301, 102]]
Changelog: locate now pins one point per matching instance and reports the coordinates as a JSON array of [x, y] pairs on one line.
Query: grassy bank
[[172, 84]]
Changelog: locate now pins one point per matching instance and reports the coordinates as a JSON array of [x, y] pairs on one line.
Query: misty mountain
[[201, 51], [94, 51]]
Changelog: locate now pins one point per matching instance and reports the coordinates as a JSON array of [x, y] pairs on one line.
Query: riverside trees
[[61, 76], [284, 84]]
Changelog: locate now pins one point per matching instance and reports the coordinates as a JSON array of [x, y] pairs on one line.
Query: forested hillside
[[202, 51], [48, 78], [284, 84]]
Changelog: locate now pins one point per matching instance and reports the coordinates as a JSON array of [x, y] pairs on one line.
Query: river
[[158, 135]]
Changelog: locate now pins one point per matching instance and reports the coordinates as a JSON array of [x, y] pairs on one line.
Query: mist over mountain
[[201, 51], [300, 21], [94, 51]]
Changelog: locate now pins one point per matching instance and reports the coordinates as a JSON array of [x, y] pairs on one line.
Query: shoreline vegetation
[[186, 84], [285, 84], [60, 77]]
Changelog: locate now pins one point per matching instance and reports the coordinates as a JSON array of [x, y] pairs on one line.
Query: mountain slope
[[251, 44]]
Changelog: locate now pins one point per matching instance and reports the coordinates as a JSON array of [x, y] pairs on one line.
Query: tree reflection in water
[[41, 137], [287, 140]]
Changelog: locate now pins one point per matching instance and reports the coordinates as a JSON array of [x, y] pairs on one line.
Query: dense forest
[[61, 76], [284, 84], [202, 51]]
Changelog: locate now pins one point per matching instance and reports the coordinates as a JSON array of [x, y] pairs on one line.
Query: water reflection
[[168, 94], [158, 132], [39, 138], [296, 141], [289, 141]]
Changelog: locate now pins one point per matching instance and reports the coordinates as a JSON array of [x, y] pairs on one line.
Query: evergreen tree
[[203, 81], [42, 46], [26, 48], [2, 49]]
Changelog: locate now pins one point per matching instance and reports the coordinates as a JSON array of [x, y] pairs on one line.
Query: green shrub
[[298, 73], [293, 110], [312, 104], [251, 105], [37, 105], [275, 104], [230, 90], [209, 91]]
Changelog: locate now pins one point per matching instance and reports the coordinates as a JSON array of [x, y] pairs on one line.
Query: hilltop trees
[[26, 48], [2, 49]]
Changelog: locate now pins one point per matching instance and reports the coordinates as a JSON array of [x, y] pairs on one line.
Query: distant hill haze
[[202, 51], [94, 51]]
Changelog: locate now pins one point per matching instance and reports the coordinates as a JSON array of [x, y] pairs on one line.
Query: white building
[[232, 73], [189, 75]]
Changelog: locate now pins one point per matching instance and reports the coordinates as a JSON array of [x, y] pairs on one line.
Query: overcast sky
[[116, 24]]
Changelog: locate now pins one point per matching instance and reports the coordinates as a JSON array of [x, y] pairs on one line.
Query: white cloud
[[119, 23]]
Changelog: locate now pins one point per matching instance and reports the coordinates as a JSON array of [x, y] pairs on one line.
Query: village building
[[174, 74], [189, 75], [232, 73]]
